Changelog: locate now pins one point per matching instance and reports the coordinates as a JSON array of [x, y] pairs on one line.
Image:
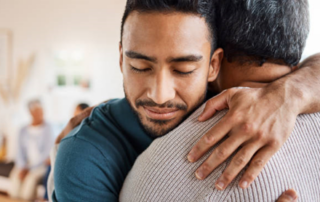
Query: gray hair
[[32, 104], [264, 29]]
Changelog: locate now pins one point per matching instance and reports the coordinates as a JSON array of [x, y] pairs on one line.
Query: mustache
[[169, 104]]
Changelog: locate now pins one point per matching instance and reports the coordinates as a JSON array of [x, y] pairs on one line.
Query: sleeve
[[47, 143], [21, 159], [81, 173]]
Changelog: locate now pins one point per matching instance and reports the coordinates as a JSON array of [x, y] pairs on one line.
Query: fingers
[[288, 196], [215, 104], [219, 155], [209, 139], [256, 165], [74, 122], [239, 161]]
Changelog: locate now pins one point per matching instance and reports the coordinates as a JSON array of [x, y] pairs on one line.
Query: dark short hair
[[203, 8], [83, 106], [263, 29]]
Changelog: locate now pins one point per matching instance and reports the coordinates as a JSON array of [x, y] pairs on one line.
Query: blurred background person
[[34, 143], [79, 108]]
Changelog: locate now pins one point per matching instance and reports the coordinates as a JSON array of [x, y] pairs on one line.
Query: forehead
[[171, 33]]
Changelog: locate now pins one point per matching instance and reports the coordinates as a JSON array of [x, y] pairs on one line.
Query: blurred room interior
[[64, 52]]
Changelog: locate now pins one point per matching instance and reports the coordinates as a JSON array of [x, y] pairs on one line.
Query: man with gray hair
[[263, 41], [34, 143]]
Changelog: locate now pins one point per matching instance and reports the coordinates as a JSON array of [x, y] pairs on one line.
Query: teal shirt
[[95, 158]]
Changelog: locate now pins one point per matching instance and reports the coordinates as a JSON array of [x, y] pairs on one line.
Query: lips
[[160, 113]]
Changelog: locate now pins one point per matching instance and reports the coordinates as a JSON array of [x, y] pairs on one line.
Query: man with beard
[[168, 54], [163, 173]]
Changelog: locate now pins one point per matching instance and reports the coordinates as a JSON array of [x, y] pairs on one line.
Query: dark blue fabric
[[94, 159]]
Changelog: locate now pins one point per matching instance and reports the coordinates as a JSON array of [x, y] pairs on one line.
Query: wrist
[[293, 98]]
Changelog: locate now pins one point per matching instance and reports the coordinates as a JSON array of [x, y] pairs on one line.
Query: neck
[[37, 123], [235, 74]]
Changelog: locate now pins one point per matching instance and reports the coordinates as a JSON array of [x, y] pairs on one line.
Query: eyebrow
[[135, 55], [188, 58]]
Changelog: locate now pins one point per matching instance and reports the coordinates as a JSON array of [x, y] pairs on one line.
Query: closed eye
[[184, 73], [140, 70]]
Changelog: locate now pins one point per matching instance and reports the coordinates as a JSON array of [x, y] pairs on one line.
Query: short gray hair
[[263, 29], [34, 103]]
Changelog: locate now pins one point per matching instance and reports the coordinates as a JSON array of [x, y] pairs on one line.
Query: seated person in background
[[168, 54], [34, 144], [258, 50]]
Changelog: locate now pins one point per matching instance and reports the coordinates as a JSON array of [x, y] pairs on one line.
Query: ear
[[215, 64], [121, 56]]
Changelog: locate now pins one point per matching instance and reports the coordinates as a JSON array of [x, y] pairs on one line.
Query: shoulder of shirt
[[23, 130], [99, 114], [100, 129]]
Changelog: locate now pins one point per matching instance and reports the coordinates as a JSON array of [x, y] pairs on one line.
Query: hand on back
[[258, 123]]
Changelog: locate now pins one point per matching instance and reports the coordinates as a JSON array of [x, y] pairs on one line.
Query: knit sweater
[[163, 173]]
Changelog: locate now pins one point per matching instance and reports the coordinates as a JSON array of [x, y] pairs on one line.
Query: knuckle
[[240, 161], [250, 177], [232, 91], [209, 139], [196, 148], [248, 128], [259, 163], [221, 153], [260, 135], [227, 176], [210, 102], [236, 116], [275, 143], [205, 167]]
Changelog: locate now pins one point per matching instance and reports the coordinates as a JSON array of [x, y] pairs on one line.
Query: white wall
[[88, 26], [47, 27], [313, 42]]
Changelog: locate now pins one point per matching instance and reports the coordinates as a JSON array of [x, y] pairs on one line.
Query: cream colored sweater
[[162, 172]]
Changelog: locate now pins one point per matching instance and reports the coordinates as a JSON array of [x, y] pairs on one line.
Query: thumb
[[215, 104], [288, 196]]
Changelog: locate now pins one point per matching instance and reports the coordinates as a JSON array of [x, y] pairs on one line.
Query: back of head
[[260, 30], [203, 8], [83, 106]]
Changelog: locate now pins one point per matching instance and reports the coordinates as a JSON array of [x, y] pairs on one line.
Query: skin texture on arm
[[259, 121], [307, 80]]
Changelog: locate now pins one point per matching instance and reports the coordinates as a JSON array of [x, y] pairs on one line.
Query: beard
[[159, 128]]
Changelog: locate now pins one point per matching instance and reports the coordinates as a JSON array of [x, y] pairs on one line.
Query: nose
[[162, 88]]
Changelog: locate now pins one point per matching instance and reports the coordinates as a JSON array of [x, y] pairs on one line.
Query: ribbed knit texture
[[162, 172]]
